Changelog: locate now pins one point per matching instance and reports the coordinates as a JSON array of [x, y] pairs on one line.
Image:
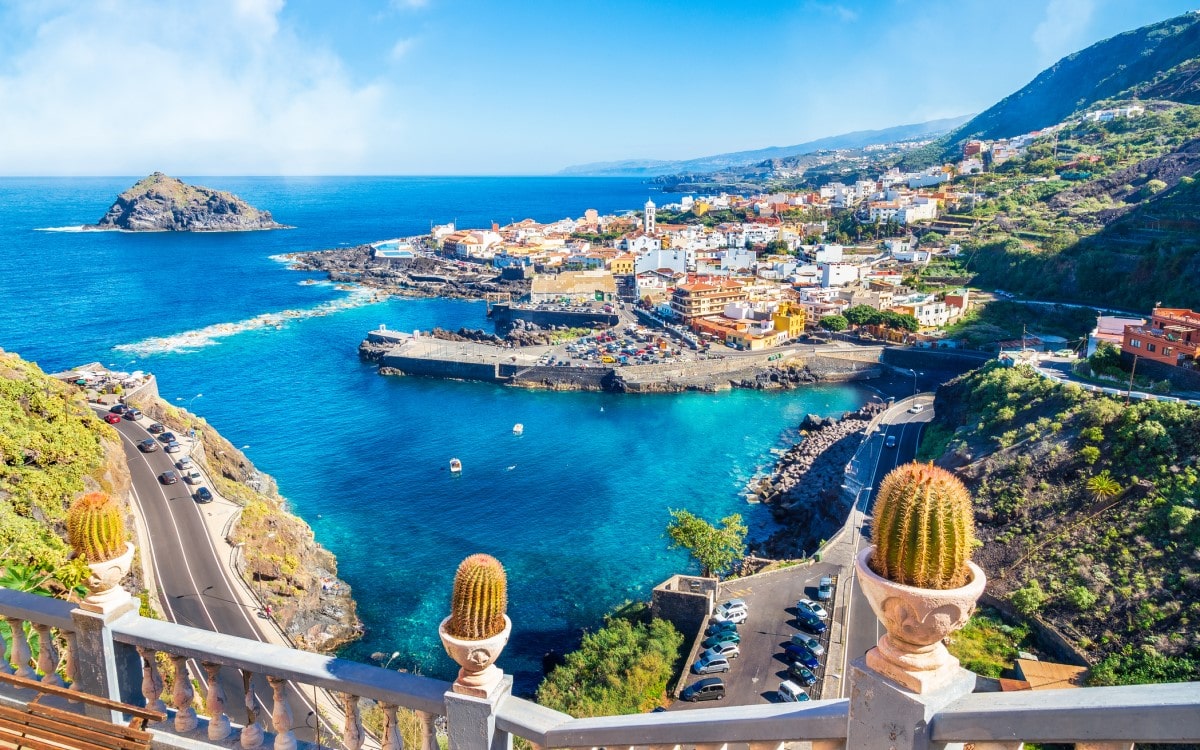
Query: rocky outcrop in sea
[[804, 490], [160, 203]]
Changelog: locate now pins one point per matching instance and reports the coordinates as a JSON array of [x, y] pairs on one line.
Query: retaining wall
[[441, 368]]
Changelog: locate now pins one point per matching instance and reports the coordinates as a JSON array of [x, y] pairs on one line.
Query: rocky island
[[160, 203]]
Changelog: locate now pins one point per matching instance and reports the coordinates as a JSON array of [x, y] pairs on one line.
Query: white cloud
[[402, 47], [1062, 28], [191, 88]]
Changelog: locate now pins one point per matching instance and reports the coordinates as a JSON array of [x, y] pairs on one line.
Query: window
[[1135, 343], [1149, 347]]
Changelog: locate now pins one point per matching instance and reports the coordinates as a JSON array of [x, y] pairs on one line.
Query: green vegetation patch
[[987, 645]]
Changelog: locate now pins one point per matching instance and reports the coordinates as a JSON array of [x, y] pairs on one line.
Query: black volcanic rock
[[159, 203]]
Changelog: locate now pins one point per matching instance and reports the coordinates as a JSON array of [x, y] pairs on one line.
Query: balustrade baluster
[[218, 722], [152, 681], [47, 655], [281, 716], [5, 667], [182, 695], [21, 655], [428, 731], [252, 733], [391, 729], [352, 731], [71, 663]]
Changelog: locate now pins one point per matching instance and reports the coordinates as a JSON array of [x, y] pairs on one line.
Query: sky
[[361, 87]]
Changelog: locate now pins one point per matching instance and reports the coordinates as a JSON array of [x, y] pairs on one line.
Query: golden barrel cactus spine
[[924, 528], [479, 600], [96, 527]]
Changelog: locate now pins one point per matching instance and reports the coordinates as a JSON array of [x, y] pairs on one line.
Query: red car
[[112, 418], [168, 477]]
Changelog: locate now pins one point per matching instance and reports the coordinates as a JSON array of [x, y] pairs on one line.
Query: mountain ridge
[[717, 162]]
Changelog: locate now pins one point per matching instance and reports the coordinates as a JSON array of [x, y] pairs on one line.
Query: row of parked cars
[[804, 651], [721, 644], [184, 468]]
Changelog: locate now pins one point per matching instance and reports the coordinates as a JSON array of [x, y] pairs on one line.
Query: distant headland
[[160, 203]]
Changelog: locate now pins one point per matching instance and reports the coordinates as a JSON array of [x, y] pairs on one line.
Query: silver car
[[707, 664]]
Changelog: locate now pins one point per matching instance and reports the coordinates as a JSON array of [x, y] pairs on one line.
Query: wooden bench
[[37, 727]]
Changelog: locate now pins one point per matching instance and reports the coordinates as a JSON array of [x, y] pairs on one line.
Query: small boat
[[455, 466], [518, 429]]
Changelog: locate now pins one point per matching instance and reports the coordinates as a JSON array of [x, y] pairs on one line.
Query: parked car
[[810, 622], [118, 409], [708, 689], [183, 464], [112, 418], [168, 477], [890, 442], [790, 692], [737, 617], [148, 446], [155, 428], [728, 649], [133, 414], [811, 606], [802, 675], [809, 642], [916, 408], [825, 588], [717, 639], [167, 437], [707, 664], [202, 495], [721, 626], [192, 477], [173, 447], [800, 655], [734, 609]]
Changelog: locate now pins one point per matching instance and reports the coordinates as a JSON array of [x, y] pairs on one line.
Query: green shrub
[[1090, 454], [1081, 598], [1030, 598]]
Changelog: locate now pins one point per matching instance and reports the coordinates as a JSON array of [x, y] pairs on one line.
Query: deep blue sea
[[575, 508]]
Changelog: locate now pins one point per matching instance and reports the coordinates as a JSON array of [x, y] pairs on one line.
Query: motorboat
[[518, 429], [455, 466]]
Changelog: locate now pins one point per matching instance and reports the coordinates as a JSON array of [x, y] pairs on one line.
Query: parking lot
[[755, 674]]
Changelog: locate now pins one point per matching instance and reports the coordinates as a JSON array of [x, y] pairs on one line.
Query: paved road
[[195, 589], [863, 628]]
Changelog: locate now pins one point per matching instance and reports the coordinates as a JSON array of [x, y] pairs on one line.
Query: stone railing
[[118, 655]]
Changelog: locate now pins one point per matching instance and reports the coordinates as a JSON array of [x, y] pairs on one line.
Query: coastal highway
[[194, 588], [863, 629]]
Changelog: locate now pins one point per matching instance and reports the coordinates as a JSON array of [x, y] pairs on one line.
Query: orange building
[[1171, 338]]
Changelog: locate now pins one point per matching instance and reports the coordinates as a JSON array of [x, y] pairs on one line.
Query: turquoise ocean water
[[575, 507]]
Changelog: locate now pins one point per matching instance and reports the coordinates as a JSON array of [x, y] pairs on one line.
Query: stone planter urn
[[105, 594], [478, 674], [911, 652]]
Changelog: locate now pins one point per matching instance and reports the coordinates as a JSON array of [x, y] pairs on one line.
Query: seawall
[[504, 314]]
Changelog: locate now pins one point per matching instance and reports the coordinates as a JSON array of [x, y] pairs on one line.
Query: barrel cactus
[[96, 527], [924, 528], [479, 600]]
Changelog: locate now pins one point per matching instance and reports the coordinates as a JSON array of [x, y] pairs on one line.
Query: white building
[[657, 258], [838, 274], [828, 254], [648, 221]]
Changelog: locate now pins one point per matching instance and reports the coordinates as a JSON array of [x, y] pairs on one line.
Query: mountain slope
[[857, 139], [1105, 69]]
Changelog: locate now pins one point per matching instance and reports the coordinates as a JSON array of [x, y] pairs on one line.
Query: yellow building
[[622, 264], [790, 319]]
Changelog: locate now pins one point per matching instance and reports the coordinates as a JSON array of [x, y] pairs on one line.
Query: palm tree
[[1102, 486]]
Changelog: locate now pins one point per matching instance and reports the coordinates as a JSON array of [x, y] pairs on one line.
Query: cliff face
[[283, 563], [160, 203]]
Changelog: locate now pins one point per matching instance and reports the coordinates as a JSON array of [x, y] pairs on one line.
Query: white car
[[192, 477], [734, 609], [813, 607], [916, 408]]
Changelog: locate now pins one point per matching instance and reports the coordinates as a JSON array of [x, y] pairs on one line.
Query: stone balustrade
[[118, 656]]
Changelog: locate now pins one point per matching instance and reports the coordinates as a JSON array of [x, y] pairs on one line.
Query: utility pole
[[1132, 371]]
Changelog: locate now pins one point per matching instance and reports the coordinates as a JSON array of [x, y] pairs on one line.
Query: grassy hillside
[[1089, 513], [52, 449], [1103, 70]]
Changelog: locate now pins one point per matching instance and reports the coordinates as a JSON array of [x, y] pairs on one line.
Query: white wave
[[190, 341], [78, 228]]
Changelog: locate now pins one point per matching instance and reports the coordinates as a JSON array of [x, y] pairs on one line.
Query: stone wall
[[1180, 378], [684, 601], [503, 315], [441, 368]]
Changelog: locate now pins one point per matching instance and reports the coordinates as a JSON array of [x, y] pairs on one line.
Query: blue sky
[[124, 87]]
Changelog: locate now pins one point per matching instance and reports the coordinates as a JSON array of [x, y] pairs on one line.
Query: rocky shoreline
[[159, 203], [421, 276], [803, 491]]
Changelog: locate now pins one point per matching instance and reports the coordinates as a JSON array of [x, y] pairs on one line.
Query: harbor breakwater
[[405, 354]]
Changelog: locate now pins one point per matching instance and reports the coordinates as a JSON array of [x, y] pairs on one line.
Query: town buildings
[[1172, 338]]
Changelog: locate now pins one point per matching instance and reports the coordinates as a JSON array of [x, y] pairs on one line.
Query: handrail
[[1144, 713], [43, 610], [331, 673], [815, 720]]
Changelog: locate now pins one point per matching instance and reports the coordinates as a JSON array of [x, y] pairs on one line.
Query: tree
[[714, 548], [834, 323], [861, 315]]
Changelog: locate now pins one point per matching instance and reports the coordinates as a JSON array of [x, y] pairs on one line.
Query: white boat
[[518, 429], [455, 466]]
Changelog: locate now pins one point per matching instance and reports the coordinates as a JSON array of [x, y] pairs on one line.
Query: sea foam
[[190, 341]]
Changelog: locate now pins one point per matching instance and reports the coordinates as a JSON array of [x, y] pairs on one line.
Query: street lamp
[[915, 374], [190, 400]]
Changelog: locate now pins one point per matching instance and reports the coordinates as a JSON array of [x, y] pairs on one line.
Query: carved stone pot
[[911, 652], [105, 594], [478, 674]]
